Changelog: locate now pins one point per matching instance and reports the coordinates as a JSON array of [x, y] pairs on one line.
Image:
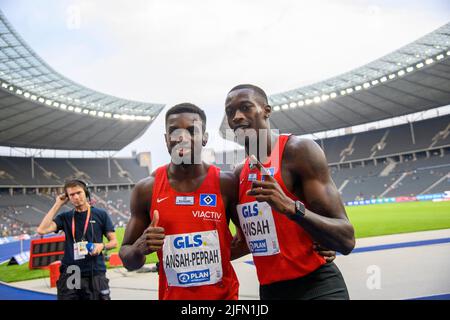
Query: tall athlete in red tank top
[[278, 229], [182, 212]]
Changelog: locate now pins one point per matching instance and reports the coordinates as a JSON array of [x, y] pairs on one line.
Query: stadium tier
[[407, 138], [405, 160], [18, 171], [28, 187], [409, 178], [21, 213]]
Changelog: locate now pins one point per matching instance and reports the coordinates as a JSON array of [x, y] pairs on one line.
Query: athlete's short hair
[[188, 108], [254, 88]]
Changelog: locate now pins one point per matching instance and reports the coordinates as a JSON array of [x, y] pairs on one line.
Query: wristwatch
[[299, 211]]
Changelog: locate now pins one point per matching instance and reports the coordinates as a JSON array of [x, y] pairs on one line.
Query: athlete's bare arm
[[309, 178], [229, 187], [327, 221], [142, 236]]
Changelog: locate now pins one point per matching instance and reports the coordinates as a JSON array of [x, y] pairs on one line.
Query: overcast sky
[[191, 50]]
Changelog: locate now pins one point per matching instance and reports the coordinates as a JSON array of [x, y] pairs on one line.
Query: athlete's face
[[185, 137], [246, 111]]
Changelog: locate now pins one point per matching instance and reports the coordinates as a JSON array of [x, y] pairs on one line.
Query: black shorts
[[94, 287], [325, 283]]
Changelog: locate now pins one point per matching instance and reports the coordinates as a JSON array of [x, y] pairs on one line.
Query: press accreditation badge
[[256, 220], [80, 250], [192, 259]]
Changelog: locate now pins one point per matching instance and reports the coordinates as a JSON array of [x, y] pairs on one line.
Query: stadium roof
[[42, 109], [415, 77]]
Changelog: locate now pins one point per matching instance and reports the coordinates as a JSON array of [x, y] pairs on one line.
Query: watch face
[[300, 207]]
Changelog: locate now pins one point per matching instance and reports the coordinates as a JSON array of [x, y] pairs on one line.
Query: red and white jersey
[[282, 250], [195, 258]]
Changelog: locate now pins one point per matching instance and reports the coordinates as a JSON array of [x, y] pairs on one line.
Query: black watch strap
[[299, 211]]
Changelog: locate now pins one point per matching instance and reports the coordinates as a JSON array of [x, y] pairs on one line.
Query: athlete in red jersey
[[181, 211], [195, 257], [279, 230]]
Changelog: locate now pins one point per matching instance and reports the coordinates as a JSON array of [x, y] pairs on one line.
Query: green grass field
[[368, 221], [383, 219]]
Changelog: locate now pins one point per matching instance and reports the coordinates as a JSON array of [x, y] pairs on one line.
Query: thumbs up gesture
[[153, 237], [155, 219]]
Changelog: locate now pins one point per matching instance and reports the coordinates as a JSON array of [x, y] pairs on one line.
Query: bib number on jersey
[[257, 223], [192, 259]]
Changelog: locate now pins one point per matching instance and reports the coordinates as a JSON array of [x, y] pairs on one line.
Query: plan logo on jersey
[[184, 200], [252, 177], [208, 200], [194, 276], [258, 246]]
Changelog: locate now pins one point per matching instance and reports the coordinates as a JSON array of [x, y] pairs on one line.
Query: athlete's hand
[[270, 191], [153, 237], [239, 246], [238, 238], [327, 254]]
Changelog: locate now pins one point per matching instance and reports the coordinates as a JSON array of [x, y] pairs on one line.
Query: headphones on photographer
[[82, 184]]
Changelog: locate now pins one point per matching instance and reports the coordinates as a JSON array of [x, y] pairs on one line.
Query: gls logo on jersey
[[250, 210], [193, 276], [188, 241], [208, 200]]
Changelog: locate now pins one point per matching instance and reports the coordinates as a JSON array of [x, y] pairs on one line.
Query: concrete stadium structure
[[41, 108]]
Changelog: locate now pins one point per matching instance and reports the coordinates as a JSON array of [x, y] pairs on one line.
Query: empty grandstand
[[388, 162], [392, 162], [49, 172], [28, 186]]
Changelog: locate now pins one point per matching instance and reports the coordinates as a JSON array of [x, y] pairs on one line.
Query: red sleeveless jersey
[[195, 258], [282, 250]]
